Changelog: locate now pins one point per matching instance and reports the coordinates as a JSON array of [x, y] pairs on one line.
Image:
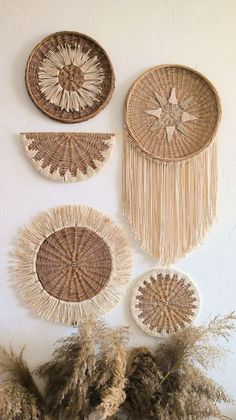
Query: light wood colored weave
[[69, 77], [68, 157], [170, 160], [163, 302], [176, 103], [72, 262]]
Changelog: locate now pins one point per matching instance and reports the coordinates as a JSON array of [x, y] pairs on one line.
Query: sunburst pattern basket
[[172, 112], [163, 302], [69, 77], [68, 157], [72, 262], [170, 161]]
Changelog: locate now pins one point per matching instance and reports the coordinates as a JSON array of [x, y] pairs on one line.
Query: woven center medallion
[[164, 302], [73, 264], [71, 78]]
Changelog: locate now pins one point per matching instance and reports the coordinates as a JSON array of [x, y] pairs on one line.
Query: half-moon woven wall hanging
[[69, 77], [169, 165], [68, 157], [72, 262], [163, 302]]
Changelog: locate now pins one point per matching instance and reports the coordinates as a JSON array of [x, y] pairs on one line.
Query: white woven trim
[[29, 243], [80, 176], [146, 278]]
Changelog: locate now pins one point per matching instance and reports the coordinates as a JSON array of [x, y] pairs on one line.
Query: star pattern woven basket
[[170, 162], [164, 301], [69, 77]]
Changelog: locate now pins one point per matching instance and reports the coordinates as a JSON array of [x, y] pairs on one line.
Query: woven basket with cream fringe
[[164, 301], [72, 262], [169, 165], [68, 157], [69, 77]]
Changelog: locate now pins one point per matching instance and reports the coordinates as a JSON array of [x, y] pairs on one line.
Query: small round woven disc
[[69, 77], [172, 112], [163, 302], [72, 262]]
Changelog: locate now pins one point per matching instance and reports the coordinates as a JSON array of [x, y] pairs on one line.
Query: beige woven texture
[[69, 77], [170, 165], [68, 157], [163, 302], [72, 262]]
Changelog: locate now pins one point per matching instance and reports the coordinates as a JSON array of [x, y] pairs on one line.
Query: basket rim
[[145, 277], [70, 120], [218, 104]]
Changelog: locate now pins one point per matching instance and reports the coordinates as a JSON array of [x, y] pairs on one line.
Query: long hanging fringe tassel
[[170, 205]]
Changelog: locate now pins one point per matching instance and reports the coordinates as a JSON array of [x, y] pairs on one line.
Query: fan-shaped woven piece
[[72, 262], [169, 169], [69, 77], [163, 302], [68, 156]]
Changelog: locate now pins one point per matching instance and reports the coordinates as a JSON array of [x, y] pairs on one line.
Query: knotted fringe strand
[[170, 205]]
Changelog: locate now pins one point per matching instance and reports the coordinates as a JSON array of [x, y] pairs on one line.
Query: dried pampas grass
[[93, 375], [19, 396]]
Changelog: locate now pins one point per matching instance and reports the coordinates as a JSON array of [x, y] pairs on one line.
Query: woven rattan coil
[[72, 262], [172, 112], [163, 302], [68, 157], [69, 77]]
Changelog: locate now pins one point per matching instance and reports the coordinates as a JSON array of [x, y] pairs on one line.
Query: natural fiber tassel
[[169, 164], [178, 200]]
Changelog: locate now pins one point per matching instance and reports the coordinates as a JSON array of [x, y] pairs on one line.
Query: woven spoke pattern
[[163, 302], [68, 156], [172, 112], [73, 264], [69, 77]]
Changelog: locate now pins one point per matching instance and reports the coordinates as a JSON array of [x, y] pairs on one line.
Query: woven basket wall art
[[164, 301], [68, 157], [72, 262], [69, 77], [169, 169]]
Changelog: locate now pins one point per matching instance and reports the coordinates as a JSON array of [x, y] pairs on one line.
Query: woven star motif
[[171, 114]]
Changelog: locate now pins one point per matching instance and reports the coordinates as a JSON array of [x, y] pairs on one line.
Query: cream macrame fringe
[[170, 205], [25, 263]]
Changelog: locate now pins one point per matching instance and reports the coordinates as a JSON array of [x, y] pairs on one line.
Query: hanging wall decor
[[68, 157], [69, 77], [164, 301], [72, 262], [169, 168]]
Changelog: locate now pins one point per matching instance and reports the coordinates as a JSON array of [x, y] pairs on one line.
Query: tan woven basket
[[68, 157], [69, 77], [164, 301], [172, 112], [72, 262]]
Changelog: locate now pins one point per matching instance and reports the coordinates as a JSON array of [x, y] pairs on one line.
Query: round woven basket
[[69, 77], [163, 302], [172, 112], [68, 157], [72, 262]]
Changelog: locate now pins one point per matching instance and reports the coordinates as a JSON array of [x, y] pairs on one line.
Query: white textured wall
[[137, 34]]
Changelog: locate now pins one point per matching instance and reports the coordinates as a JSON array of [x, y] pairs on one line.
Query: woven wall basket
[[68, 157], [169, 169], [72, 262], [163, 302], [69, 77]]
